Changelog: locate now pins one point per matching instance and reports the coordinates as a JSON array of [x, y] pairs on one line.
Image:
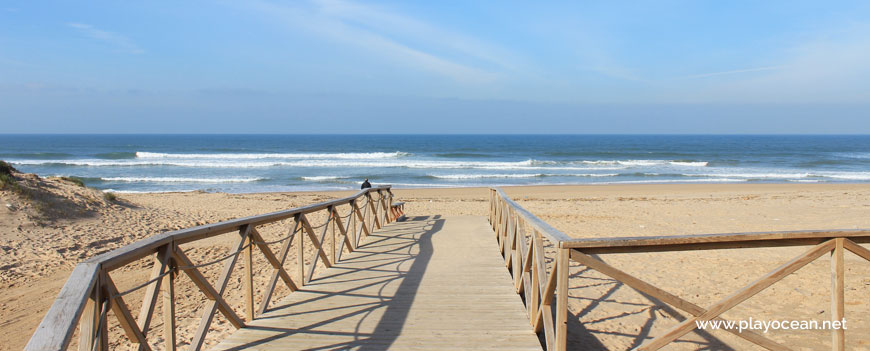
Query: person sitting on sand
[[366, 184]]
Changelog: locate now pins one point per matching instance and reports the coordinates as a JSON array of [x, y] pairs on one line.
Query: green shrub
[[6, 169], [110, 197], [75, 180], [8, 182]]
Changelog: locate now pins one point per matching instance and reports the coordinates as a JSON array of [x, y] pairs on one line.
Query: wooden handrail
[[89, 292], [523, 253]]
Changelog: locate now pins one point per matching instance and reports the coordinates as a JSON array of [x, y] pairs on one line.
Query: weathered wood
[[857, 249], [552, 234], [342, 231], [125, 318], [276, 270], [149, 301], [561, 326], [739, 296], [277, 265], [838, 297], [462, 300], [169, 335], [374, 207], [712, 241], [56, 329], [248, 273], [300, 251], [523, 260], [362, 220], [214, 295], [668, 298], [140, 249], [59, 324], [332, 243], [216, 298], [90, 320], [318, 244], [103, 324]]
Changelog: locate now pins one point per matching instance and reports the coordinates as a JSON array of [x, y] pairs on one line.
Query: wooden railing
[[90, 293], [527, 261]]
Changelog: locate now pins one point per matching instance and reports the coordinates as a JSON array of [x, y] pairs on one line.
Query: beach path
[[427, 283]]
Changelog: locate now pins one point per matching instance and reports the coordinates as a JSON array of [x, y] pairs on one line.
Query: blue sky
[[435, 67]]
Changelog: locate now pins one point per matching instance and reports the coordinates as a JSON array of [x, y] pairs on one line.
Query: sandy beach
[[38, 255]]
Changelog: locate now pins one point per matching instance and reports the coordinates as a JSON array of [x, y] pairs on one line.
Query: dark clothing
[[366, 185]]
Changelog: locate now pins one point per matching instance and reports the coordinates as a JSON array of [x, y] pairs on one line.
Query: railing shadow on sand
[[90, 293], [541, 277]]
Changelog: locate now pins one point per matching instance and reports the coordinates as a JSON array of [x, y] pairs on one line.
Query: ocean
[[266, 163]]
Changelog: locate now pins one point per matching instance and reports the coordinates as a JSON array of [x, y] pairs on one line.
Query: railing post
[[248, 274], [562, 267], [300, 251], [90, 317], [838, 308], [332, 216], [169, 307]]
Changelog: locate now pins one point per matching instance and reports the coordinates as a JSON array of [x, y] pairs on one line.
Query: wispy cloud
[[121, 42], [830, 67], [396, 37], [736, 71]]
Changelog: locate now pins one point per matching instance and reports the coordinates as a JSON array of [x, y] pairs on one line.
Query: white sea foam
[[147, 191], [790, 176], [255, 156], [181, 180], [536, 175], [206, 163], [752, 175], [848, 175], [322, 178], [689, 163], [704, 180]]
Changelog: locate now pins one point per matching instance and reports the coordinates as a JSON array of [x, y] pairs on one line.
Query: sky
[[335, 66]]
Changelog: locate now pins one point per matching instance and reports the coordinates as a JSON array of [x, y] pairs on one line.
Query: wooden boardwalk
[[428, 283]]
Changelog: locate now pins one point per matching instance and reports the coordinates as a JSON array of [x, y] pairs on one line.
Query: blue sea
[[265, 163]]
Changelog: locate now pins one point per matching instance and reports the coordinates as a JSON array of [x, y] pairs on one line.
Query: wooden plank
[[857, 249], [739, 296], [103, 323], [89, 325], [374, 207], [277, 269], [332, 243], [169, 327], [669, 298], [248, 272], [412, 297], [300, 253], [552, 234], [362, 220], [522, 258], [149, 301], [214, 295], [277, 265], [317, 244], [561, 326], [56, 329], [342, 231], [713, 241], [125, 318], [140, 249], [59, 324], [838, 297]]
